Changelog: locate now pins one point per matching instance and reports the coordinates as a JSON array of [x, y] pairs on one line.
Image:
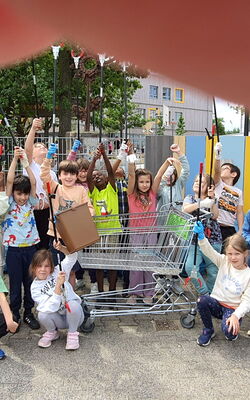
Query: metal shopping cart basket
[[154, 242]]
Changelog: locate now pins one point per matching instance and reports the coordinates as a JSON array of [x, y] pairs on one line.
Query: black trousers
[[42, 224], [226, 231]]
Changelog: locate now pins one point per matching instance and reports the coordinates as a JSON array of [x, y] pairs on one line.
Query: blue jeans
[[18, 260], [209, 307], [210, 268]]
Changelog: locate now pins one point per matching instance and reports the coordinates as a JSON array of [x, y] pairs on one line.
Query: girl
[[142, 190], [230, 298], [212, 232], [47, 291], [177, 182]]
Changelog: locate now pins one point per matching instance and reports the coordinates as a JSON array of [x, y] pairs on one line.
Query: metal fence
[[89, 145]]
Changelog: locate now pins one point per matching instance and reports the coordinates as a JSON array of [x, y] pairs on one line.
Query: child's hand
[[76, 145], [199, 229], [130, 147], [52, 150], [101, 148], [61, 278], [37, 124], [17, 152], [24, 159], [59, 247], [210, 192], [233, 324], [175, 148], [12, 326], [97, 155]]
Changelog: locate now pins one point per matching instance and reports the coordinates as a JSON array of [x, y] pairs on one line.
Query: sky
[[231, 118]]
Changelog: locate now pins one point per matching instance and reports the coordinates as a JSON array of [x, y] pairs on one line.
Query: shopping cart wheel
[[88, 325], [187, 321]]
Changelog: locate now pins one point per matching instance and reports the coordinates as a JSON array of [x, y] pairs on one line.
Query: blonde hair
[[237, 242]]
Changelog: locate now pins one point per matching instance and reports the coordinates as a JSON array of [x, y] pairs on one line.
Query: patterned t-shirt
[[211, 226], [19, 225], [229, 198]]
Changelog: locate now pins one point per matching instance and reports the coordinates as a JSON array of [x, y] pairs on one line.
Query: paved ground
[[131, 357]]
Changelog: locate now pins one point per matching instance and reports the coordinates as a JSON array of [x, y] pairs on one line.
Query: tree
[[221, 126], [180, 130]]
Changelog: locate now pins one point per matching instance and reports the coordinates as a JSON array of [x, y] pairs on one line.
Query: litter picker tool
[[194, 274], [35, 87], [55, 50], [76, 62], [51, 196], [8, 126]]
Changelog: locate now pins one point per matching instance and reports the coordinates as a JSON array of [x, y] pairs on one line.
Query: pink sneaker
[[47, 338], [72, 341]]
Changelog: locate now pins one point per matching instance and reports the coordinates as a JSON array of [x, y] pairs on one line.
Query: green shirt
[[3, 288], [106, 199]]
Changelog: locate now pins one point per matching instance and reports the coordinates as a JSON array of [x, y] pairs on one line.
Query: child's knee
[[202, 301], [42, 317]]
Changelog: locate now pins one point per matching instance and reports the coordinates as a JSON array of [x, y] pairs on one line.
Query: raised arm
[[73, 151], [12, 171], [28, 147], [159, 175], [111, 175], [46, 167], [217, 163], [240, 218], [25, 164], [91, 169]]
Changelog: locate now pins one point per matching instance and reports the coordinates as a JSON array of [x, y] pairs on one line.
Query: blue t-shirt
[[19, 225]]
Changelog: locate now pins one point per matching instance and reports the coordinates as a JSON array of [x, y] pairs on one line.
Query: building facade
[[161, 96]]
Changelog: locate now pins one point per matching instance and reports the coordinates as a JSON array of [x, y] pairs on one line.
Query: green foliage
[[221, 126], [180, 130], [160, 128]]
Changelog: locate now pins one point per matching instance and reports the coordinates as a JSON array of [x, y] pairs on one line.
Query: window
[[166, 93], [177, 116], [179, 96], [141, 112], [152, 113], [153, 92]]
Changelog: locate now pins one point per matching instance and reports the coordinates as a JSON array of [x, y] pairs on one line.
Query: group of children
[[32, 251]]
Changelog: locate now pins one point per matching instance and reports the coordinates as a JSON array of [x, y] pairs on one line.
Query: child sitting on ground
[[230, 298], [20, 236], [50, 290]]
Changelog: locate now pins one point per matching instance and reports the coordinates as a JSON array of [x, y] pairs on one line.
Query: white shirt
[[229, 198]]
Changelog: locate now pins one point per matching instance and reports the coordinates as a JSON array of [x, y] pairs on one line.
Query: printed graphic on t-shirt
[[65, 204], [232, 285], [228, 200]]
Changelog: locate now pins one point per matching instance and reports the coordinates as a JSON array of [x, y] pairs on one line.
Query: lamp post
[[102, 60]]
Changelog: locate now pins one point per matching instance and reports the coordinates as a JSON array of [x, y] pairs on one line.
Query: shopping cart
[[155, 242]]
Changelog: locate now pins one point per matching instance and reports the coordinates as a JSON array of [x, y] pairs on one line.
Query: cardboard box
[[77, 228]]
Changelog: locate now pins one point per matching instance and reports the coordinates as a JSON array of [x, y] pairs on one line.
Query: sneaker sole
[[206, 344]]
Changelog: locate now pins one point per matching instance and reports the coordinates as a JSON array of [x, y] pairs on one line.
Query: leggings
[[70, 320], [209, 307]]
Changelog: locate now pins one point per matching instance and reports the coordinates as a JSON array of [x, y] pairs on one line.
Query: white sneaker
[[79, 284], [94, 288]]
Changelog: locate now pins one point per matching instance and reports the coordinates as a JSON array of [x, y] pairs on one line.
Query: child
[[36, 153], [230, 298], [212, 231], [83, 166], [48, 293], [230, 200], [142, 191], [67, 194], [20, 236], [4, 205], [103, 193], [6, 319], [177, 183]]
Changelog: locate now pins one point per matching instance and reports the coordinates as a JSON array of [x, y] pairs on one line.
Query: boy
[[6, 319], [67, 194], [103, 193], [230, 199], [20, 235], [36, 153]]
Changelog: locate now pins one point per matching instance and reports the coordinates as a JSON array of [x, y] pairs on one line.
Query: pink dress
[[142, 281]]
